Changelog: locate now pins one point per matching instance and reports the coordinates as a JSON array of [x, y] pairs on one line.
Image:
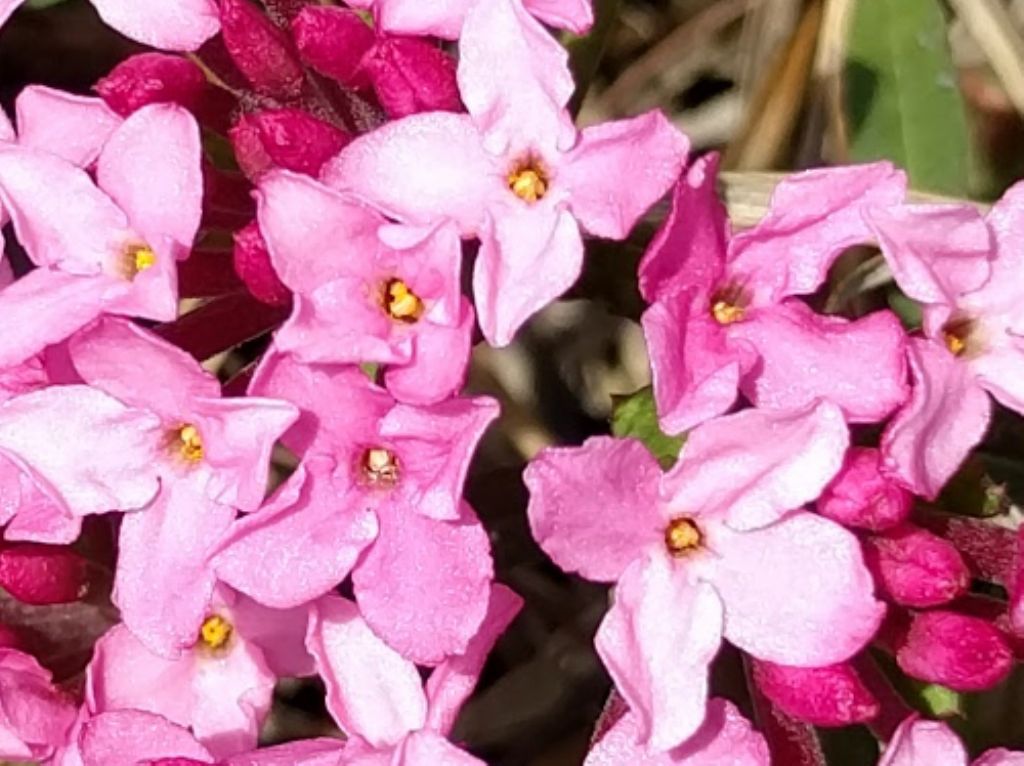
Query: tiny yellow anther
[[528, 184], [401, 303], [215, 632], [380, 466], [144, 259], [190, 443], [682, 536], [954, 343], [727, 313]]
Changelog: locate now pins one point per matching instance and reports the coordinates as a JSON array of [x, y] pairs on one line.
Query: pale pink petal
[[321, 751], [125, 675], [425, 611], [520, 243], [181, 25], [594, 509], [859, 365], [80, 475], [1000, 371], [35, 717], [121, 358], [695, 367], [755, 466], [918, 742], [515, 80], [372, 692], [575, 15], [38, 518], [725, 738], [152, 293], [301, 544], [90, 227], [420, 169], [935, 252], [453, 680], [439, 365], [169, 543], [1001, 294], [657, 641], [164, 200], [1000, 757], [946, 416], [279, 634], [128, 737], [70, 126], [7, 7], [796, 592], [232, 691], [689, 249], [594, 170], [423, 747], [47, 306], [441, 18], [813, 217]]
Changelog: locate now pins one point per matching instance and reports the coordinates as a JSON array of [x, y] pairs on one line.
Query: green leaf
[[940, 701], [902, 102], [635, 416]]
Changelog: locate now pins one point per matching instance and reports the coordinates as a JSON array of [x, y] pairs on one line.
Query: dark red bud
[[828, 696], [252, 263], [333, 41], [152, 78], [915, 568], [261, 51], [411, 76], [285, 138], [43, 574], [964, 653]]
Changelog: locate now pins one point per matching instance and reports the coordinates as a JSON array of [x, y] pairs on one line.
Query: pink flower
[[918, 742], [399, 303], [35, 717], [376, 696], [514, 172], [116, 243], [181, 25], [446, 17], [725, 318], [378, 494], [711, 548], [220, 687], [725, 737], [965, 270]]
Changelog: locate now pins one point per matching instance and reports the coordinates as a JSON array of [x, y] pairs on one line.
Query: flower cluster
[[375, 148]]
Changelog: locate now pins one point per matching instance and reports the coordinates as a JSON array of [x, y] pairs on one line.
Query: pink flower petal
[[164, 200], [279, 634], [321, 751], [575, 15], [301, 544], [946, 416], [420, 169], [422, 747], [35, 717], [515, 80], [725, 738], [859, 365], [796, 592], [924, 743], [72, 127], [169, 543], [128, 737], [442, 18], [695, 366], [520, 243], [7, 7], [83, 478], [813, 217], [372, 692], [755, 466], [1000, 757], [659, 665], [1001, 293], [182, 25], [689, 249], [425, 611], [439, 365], [595, 170], [1000, 370], [593, 509]]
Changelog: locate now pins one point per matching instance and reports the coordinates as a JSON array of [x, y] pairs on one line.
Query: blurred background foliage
[[775, 85]]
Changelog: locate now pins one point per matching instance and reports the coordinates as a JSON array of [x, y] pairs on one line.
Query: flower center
[[682, 537], [401, 303], [189, 443], [956, 334], [135, 259], [528, 180], [380, 467], [729, 305], [215, 632]]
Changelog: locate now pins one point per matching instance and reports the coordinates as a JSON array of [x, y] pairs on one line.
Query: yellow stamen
[[380, 466], [401, 303], [136, 258], [528, 181], [682, 536], [727, 313], [215, 632], [954, 343], [190, 444], [959, 335], [144, 258]]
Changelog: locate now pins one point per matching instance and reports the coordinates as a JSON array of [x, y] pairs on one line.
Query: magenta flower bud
[[261, 51], [333, 41], [915, 568], [828, 696], [284, 138], [252, 264], [411, 76], [152, 78], [41, 574], [862, 496], [964, 653]]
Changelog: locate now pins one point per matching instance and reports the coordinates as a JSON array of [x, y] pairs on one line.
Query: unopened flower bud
[[964, 653], [42, 574], [861, 495], [333, 41], [252, 264], [411, 76], [827, 696], [284, 138], [152, 78], [915, 568], [261, 51]]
